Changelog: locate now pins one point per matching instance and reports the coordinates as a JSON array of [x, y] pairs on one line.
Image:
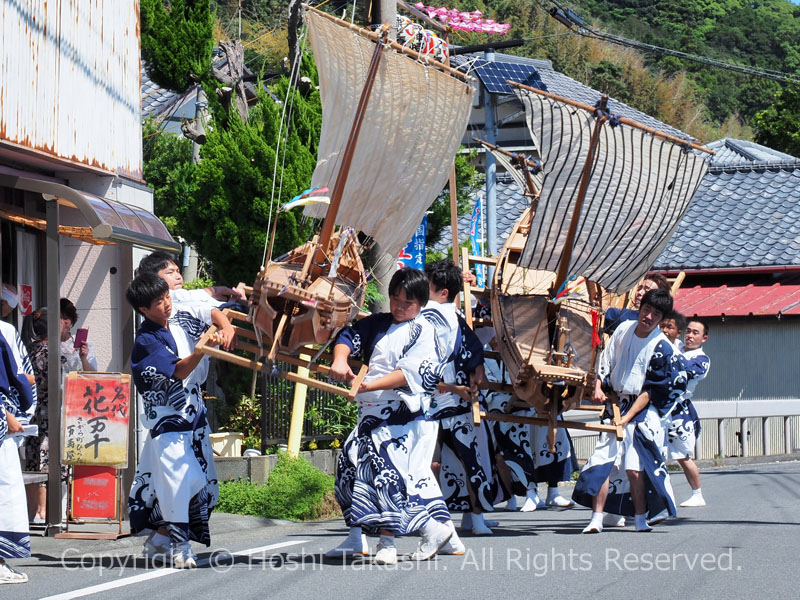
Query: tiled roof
[[510, 204], [561, 85], [763, 296], [746, 212], [155, 100]]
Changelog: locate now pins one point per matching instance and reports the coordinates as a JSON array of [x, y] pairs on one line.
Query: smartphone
[[80, 337]]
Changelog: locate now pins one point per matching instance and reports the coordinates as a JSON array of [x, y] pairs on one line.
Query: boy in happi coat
[[175, 487], [683, 423], [639, 370], [381, 475], [468, 474]]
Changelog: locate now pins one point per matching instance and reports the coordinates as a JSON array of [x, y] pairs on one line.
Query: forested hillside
[[705, 101]]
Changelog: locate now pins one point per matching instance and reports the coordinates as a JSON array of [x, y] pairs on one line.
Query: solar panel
[[494, 76]]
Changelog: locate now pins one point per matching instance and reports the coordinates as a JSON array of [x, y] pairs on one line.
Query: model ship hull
[[303, 311], [542, 368]]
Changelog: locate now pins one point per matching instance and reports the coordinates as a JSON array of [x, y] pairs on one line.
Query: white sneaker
[[386, 555], [183, 557], [10, 575], [659, 518], [694, 501], [593, 527], [559, 501], [435, 536], [350, 547], [610, 520], [454, 547]]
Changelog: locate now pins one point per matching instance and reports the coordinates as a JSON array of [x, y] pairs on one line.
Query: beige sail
[[413, 125], [640, 187]]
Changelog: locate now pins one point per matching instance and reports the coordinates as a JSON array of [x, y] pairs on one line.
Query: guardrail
[[728, 426]]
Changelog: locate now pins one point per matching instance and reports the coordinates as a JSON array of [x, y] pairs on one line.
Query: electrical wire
[[569, 18]]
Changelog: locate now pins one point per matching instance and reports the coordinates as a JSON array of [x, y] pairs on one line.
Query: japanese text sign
[[95, 419]]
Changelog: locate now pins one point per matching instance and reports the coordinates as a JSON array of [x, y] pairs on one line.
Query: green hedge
[[295, 490]]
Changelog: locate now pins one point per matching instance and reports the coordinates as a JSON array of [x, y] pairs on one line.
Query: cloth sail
[[640, 188], [413, 126]]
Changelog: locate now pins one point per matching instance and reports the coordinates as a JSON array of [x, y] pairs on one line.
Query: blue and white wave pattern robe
[[631, 365], [24, 366], [524, 448], [16, 397], [467, 450], [383, 480], [176, 482], [683, 423]]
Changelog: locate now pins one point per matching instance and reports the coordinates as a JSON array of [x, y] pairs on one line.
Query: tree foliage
[[177, 40], [778, 126], [228, 216]]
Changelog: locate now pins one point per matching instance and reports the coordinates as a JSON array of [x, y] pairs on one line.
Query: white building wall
[[69, 80]]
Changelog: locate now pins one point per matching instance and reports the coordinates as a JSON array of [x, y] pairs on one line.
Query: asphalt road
[[744, 544]]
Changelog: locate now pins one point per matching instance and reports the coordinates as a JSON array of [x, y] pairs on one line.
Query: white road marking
[[102, 587]]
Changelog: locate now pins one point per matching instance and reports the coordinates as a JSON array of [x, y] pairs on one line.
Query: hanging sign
[[413, 255]]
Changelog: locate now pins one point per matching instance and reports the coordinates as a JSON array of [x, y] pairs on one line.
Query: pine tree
[[177, 40]]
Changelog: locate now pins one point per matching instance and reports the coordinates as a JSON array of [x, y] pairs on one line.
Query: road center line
[[102, 587]]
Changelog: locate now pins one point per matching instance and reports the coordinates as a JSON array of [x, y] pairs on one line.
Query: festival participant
[[639, 370], [468, 475], [204, 304], [16, 397], [526, 451], [684, 424], [615, 316], [382, 471], [175, 486]]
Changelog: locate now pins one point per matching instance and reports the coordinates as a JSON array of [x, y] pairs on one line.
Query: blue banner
[[413, 255], [476, 241]]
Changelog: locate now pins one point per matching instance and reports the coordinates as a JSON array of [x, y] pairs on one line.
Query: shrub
[[295, 490]]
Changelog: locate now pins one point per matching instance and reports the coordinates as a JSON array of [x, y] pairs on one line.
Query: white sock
[[511, 503], [552, 493], [387, 541], [159, 539], [697, 492], [597, 519], [641, 521], [533, 493], [354, 534], [477, 520], [429, 527]]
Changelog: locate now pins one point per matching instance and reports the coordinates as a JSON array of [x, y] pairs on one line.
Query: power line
[[570, 19]]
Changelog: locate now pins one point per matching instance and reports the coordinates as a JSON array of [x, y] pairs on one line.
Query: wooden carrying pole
[[599, 427]]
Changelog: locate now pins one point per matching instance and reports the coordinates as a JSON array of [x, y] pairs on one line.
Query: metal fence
[[276, 411]]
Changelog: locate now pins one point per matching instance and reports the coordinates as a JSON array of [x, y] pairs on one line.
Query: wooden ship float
[[384, 167], [608, 198]]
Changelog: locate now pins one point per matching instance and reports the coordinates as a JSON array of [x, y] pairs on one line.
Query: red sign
[[94, 492], [95, 419], [25, 299]]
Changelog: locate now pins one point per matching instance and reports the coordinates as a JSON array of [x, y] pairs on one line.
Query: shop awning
[[106, 220]]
